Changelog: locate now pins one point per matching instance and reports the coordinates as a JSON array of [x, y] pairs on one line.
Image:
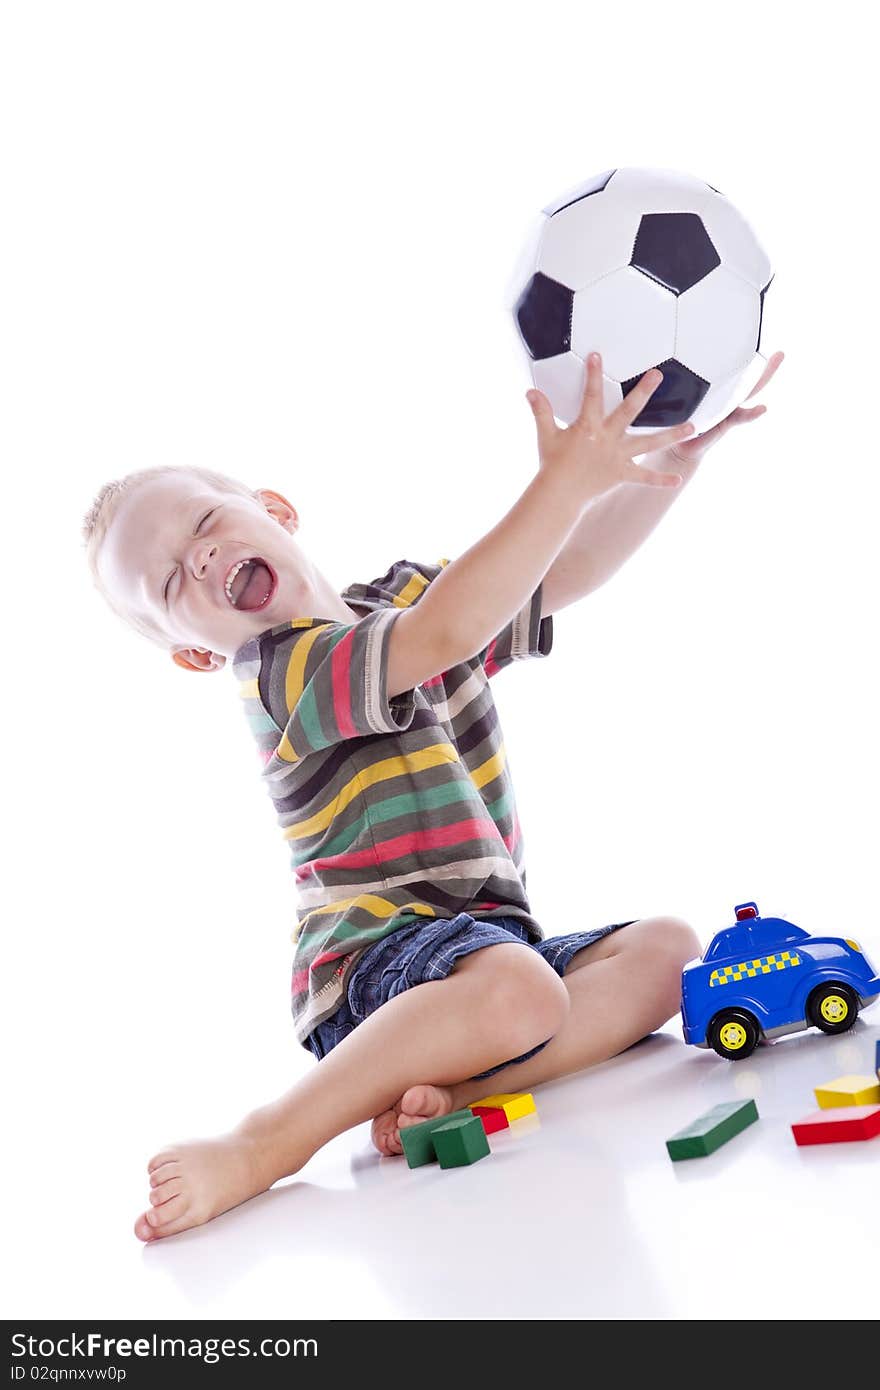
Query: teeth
[[229, 578]]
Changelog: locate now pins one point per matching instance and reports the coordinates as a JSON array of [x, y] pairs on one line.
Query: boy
[[383, 755]]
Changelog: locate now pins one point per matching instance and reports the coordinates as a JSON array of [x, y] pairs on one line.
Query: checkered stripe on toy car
[[781, 960]]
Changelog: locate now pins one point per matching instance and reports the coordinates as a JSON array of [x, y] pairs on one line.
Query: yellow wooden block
[[514, 1106], [848, 1090]]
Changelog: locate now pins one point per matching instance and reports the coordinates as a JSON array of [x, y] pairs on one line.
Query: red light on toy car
[[747, 910]]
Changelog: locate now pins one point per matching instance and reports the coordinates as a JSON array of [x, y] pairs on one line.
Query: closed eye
[[210, 512]]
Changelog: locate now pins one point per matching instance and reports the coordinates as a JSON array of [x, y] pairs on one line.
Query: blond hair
[[96, 524]]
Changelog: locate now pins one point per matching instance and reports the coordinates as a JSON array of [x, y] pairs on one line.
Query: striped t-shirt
[[393, 809]]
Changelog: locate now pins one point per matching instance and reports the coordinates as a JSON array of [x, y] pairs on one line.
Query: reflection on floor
[[579, 1212]]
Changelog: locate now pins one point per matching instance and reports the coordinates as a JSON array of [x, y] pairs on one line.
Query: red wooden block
[[839, 1125], [493, 1119]]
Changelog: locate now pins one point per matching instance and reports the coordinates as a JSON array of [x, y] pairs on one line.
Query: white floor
[[578, 1213]]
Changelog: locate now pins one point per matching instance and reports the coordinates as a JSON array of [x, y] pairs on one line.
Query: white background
[[276, 241]]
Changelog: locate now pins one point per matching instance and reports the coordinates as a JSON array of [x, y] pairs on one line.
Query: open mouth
[[250, 584]]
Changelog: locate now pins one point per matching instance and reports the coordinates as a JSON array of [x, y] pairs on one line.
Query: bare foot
[[191, 1183], [417, 1104]]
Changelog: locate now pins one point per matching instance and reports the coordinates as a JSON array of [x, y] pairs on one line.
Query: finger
[[634, 473], [741, 416], [761, 382], [769, 371], [543, 413], [592, 406], [634, 401], [649, 444]]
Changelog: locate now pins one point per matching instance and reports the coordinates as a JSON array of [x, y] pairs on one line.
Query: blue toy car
[[764, 976]]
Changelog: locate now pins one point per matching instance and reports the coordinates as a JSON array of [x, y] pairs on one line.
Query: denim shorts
[[427, 950]]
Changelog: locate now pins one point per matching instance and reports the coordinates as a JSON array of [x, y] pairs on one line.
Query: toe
[[149, 1233], [423, 1103], [142, 1228], [380, 1137], [166, 1156], [182, 1223], [165, 1191], [163, 1173], [382, 1128], [158, 1217]]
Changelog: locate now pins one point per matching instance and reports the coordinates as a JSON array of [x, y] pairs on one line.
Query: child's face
[[171, 554]]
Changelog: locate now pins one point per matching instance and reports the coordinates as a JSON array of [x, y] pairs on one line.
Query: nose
[[201, 556]]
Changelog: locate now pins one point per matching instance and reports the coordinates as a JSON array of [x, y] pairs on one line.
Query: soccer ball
[[651, 268]]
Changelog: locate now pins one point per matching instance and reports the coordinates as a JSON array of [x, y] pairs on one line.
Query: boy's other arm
[[607, 534], [471, 600], [617, 524]]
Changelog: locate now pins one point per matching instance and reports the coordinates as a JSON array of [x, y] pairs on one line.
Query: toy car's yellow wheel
[[833, 1007], [734, 1034]]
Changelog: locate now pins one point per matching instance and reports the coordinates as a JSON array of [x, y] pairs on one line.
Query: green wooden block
[[418, 1142], [712, 1130], [460, 1142]]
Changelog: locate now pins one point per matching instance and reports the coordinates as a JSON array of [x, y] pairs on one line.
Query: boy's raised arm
[[475, 595]]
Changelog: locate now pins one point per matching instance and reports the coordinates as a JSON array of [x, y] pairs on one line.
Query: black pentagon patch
[[761, 314], [593, 185], [543, 316], [674, 249], [675, 399]]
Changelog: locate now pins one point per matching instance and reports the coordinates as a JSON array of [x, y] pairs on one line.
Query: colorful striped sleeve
[[322, 682], [527, 634]]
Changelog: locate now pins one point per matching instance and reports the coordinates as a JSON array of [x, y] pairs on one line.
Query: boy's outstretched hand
[[609, 452], [595, 453], [690, 451]]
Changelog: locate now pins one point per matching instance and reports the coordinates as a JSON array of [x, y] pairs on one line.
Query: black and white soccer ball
[[651, 268]]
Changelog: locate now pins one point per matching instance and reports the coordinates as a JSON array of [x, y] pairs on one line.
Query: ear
[[198, 659], [278, 507]]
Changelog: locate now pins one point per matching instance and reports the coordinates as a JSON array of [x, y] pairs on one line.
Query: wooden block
[[839, 1125], [460, 1142], [493, 1119], [514, 1104], [711, 1130], [848, 1090], [418, 1142]]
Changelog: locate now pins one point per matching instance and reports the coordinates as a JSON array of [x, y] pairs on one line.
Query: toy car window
[[721, 946], [738, 943]]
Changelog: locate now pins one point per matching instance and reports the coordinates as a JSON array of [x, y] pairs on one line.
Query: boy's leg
[[620, 989], [499, 1001]]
